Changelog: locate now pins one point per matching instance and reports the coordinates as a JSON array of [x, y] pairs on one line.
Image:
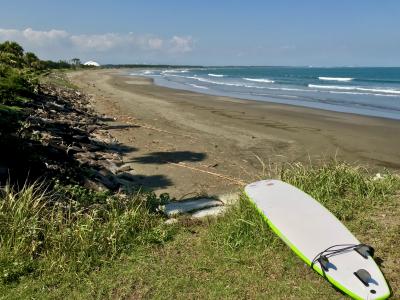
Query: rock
[[124, 168], [74, 149], [108, 166], [60, 147], [80, 138], [103, 176], [91, 147], [122, 182], [94, 185], [209, 212], [104, 180], [104, 172], [91, 128], [85, 156], [127, 176], [181, 207]]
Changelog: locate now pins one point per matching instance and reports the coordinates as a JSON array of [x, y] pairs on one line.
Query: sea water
[[364, 91]]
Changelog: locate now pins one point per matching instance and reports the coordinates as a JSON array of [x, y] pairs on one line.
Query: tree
[[31, 59], [13, 48], [76, 61]]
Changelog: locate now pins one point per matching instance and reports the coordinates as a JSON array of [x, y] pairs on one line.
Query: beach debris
[[181, 207], [200, 208], [378, 176], [209, 212]]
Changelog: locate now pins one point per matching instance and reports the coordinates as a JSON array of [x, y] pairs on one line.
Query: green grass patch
[[57, 78], [71, 231], [235, 256]]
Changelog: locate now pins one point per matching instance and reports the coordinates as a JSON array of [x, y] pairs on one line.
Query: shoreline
[[355, 98], [236, 138], [268, 101]]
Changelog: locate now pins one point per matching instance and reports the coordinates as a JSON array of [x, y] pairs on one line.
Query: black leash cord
[[330, 252]]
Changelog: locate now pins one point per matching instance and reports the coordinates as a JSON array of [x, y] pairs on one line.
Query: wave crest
[[355, 88], [259, 80], [199, 86], [215, 75], [345, 79]]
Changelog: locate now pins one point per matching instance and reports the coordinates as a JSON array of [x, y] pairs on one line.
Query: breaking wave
[[355, 88], [199, 86], [345, 79], [215, 75], [259, 80]]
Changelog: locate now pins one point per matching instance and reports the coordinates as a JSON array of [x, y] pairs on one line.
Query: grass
[[73, 230], [58, 78], [235, 256]]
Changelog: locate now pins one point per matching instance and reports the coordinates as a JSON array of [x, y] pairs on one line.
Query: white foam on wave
[[344, 79], [259, 80], [199, 86], [215, 75], [214, 82], [142, 73], [362, 93], [175, 71], [288, 89], [336, 87], [355, 88], [201, 79]]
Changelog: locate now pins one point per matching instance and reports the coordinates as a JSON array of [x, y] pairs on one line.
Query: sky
[[284, 32]]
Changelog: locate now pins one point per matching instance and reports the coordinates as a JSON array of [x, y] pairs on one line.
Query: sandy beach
[[189, 144]]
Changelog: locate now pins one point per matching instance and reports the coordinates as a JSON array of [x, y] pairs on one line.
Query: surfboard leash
[[322, 257]]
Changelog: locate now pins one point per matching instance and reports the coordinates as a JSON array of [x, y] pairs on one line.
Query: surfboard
[[319, 239]]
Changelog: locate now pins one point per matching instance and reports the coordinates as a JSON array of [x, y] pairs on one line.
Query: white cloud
[[156, 43], [181, 44], [111, 43], [97, 42], [36, 36]]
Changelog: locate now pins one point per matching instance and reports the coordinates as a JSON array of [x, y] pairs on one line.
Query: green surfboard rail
[[304, 258]]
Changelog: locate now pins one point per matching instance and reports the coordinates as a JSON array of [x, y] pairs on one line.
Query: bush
[[16, 86]]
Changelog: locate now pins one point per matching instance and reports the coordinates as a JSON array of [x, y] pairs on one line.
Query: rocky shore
[[64, 138]]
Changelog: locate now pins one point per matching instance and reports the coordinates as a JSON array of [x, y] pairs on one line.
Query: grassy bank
[[115, 249]]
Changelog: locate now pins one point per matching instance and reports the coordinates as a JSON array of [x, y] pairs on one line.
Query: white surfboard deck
[[308, 228]]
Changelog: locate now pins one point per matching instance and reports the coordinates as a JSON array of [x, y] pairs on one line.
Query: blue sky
[[318, 33]]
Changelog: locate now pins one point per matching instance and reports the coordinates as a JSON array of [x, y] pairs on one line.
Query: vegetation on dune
[[71, 229], [347, 191], [234, 256], [19, 84]]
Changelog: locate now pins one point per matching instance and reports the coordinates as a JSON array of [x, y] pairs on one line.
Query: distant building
[[92, 63]]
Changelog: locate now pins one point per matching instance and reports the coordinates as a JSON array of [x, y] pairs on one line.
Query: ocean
[[364, 91]]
